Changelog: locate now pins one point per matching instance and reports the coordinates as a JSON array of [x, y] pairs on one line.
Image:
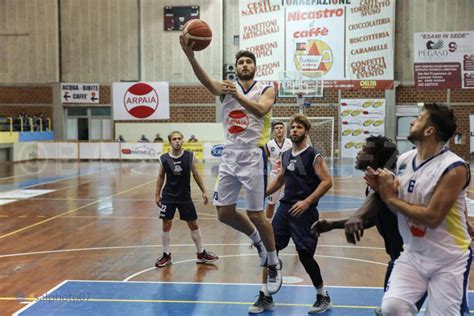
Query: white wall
[[24, 151], [209, 132], [28, 41]]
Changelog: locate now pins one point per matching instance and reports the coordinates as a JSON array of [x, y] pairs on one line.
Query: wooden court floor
[[98, 221]]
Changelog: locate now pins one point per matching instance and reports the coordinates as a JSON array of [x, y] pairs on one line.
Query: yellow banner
[[7, 137], [196, 147]]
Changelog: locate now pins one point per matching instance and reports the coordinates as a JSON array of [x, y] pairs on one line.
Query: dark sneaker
[[322, 304], [262, 252], [206, 257], [263, 303], [164, 260], [274, 278]]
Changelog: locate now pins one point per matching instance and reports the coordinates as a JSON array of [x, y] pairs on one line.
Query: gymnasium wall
[[107, 41], [194, 104]]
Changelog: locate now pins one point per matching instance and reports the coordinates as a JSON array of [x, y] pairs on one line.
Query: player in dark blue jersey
[[306, 178], [177, 165], [377, 152]]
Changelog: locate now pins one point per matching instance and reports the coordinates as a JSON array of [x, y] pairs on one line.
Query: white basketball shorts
[[241, 167], [413, 275]]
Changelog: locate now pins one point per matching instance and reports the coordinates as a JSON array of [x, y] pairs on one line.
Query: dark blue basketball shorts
[[187, 211], [286, 226]]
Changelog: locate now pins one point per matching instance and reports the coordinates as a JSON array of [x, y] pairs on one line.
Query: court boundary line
[[59, 251], [243, 254], [34, 302]]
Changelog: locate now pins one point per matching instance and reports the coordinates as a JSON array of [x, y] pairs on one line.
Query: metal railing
[[10, 124]]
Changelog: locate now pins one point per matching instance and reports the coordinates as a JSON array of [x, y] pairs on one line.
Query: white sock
[[166, 239], [272, 258], [321, 291], [196, 236], [255, 237], [265, 290]]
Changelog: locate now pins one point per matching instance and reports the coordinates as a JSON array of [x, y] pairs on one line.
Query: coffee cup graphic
[[346, 132], [357, 132], [368, 122], [377, 104], [356, 112], [378, 122], [367, 104]]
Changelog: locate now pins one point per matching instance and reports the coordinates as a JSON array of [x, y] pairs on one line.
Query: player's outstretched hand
[[188, 50], [205, 198], [321, 226], [354, 229]]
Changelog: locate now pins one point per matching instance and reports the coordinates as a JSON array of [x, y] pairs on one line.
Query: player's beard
[[298, 139], [415, 136], [248, 76]]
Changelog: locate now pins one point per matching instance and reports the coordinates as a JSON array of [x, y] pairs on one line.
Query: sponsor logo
[[216, 150], [432, 45], [237, 122], [313, 57], [141, 100], [142, 151]]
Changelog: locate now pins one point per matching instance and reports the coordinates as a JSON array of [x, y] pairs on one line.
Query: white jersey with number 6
[[418, 182]]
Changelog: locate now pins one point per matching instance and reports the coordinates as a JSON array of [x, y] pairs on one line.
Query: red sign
[[238, 122], [141, 100]]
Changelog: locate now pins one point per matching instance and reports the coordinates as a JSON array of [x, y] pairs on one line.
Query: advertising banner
[[444, 60], [349, 45], [196, 147], [140, 101], [359, 119], [143, 151], [471, 130]]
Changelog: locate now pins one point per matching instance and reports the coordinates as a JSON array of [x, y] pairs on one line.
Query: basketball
[[197, 33]]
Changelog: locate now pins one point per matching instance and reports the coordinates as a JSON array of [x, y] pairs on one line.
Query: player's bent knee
[[392, 306], [226, 214], [256, 216]]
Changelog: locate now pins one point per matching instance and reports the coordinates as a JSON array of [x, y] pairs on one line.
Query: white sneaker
[[274, 279], [264, 303], [322, 304]]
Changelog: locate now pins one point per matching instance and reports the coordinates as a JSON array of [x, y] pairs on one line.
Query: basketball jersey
[[178, 177], [242, 127], [274, 153], [417, 185], [298, 173]]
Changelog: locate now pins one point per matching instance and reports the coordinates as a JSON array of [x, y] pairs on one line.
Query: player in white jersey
[[246, 110], [274, 148], [429, 194]]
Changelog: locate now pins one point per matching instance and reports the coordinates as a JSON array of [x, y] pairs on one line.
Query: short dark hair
[[383, 150], [300, 119], [245, 53], [442, 118], [277, 123], [175, 132]]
